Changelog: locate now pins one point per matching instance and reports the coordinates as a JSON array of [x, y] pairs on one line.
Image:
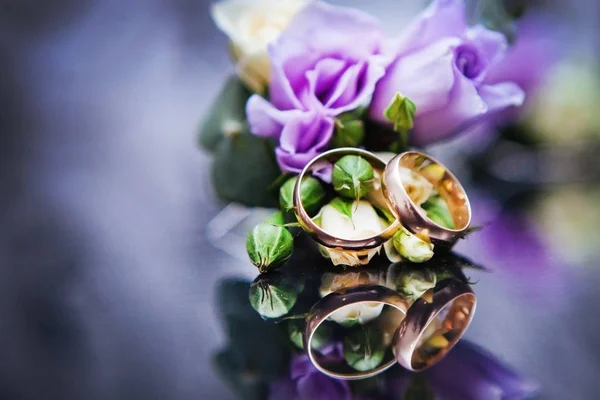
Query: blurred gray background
[[106, 275]]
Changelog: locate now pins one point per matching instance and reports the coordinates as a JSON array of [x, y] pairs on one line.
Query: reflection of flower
[[360, 313], [251, 25], [470, 373], [442, 66], [416, 186], [325, 63], [305, 382]]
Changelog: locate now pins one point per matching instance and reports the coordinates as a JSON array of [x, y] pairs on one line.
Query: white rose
[[252, 25], [364, 223]]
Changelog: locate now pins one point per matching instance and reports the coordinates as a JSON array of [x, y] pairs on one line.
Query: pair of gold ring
[[406, 212], [451, 307]]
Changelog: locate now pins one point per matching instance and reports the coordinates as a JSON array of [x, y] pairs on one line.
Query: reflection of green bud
[[352, 176], [364, 349], [411, 247], [269, 245], [312, 194], [416, 282], [349, 131], [271, 296], [437, 210], [320, 338]]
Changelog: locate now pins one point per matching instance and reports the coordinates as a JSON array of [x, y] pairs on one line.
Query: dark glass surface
[[110, 270]]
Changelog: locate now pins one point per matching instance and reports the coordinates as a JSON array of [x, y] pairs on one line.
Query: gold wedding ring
[[320, 162], [431, 329], [335, 301], [426, 329], [414, 217]]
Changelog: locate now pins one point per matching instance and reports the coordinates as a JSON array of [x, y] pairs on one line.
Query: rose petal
[[306, 133], [500, 96], [464, 108], [492, 45], [337, 26], [302, 139], [443, 18], [426, 77], [322, 79], [281, 89], [266, 120], [346, 87]]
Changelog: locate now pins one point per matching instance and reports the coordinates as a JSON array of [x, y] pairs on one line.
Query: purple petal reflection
[[305, 382]]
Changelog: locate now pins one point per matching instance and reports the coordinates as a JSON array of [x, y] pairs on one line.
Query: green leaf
[[243, 169], [344, 206], [437, 210], [349, 131], [226, 117]]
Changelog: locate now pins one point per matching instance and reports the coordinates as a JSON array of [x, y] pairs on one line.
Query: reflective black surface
[[109, 276]]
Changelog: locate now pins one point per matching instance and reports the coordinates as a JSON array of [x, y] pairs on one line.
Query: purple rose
[[442, 66], [307, 383], [326, 62]]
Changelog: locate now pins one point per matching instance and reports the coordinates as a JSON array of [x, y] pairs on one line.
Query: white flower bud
[[411, 247], [350, 220]]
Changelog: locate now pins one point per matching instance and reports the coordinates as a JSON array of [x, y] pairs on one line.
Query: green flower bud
[[321, 336], [312, 194], [271, 296], [352, 177], [364, 349], [411, 247], [437, 210], [401, 112], [269, 245], [349, 131]]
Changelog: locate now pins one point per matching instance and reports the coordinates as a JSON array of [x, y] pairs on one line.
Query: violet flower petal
[[426, 77], [441, 19], [266, 120]]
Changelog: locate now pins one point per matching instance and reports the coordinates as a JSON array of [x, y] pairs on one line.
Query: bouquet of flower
[[313, 79]]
